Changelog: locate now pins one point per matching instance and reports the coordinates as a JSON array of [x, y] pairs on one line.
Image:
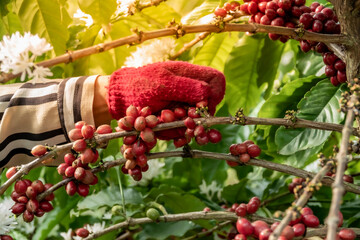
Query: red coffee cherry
[[28, 216], [347, 234], [180, 142], [241, 210], [253, 150], [190, 123], [220, 12], [311, 220], [82, 232], [79, 124], [83, 189], [192, 113], [214, 136], [139, 123], [167, 116], [132, 111], [75, 134], [299, 229], [10, 172], [79, 145], [139, 148], [151, 121], [104, 129], [180, 113], [71, 188], [265, 234], [259, 226], [147, 135], [32, 205], [20, 187], [244, 158], [69, 172], [87, 131], [38, 150], [18, 208], [244, 226], [252, 207], [288, 233], [31, 192]]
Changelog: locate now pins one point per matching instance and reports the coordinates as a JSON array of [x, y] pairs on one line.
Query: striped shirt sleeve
[[41, 113]]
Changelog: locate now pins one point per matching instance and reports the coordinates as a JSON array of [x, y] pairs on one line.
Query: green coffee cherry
[[153, 214]]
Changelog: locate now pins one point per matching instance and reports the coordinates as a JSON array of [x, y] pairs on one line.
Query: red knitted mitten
[[164, 84]]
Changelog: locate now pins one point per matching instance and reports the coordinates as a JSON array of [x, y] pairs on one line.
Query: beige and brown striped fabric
[[41, 113]]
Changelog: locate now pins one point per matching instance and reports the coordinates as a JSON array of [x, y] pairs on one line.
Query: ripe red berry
[[82, 232], [79, 124], [104, 129], [32, 205], [341, 76], [319, 9], [241, 210], [70, 188], [310, 220], [252, 8], [330, 71], [61, 168], [83, 189], [199, 131], [69, 158], [244, 8], [190, 123], [38, 186], [192, 113], [314, 5], [139, 123], [244, 158], [79, 173], [334, 81], [262, 6], [130, 164], [20, 187], [14, 196], [138, 148], [279, 21], [329, 58], [38, 150], [348, 178], [146, 111], [167, 116], [347, 234], [88, 178], [87, 131], [305, 46], [252, 207], [128, 153], [18, 208], [299, 229], [288, 233], [10, 172], [87, 156], [220, 12], [179, 142], [232, 163], [317, 26], [28, 216], [31, 192], [285, 4], [259, 226], [128, 140], [132, 111], [274, 36], [79, 145], [265, 20], [151, 121], [180, 113], [6, 237], [265, 234], [306, 19], [339, 65], [306, 211], [75, 134], [39, 213], [253, 150], [202, 139], [22, 199], [141, 160], [341, 219], [214, 136], [244, 226], [296, 11], [147, 135], [299, 2]]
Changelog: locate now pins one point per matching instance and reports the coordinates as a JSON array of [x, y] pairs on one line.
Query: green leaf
[[3, 8], [310, 63], [236, 192], [45, 18], [216, 50], [269, 63], [164, 230], [180, 203], [184, 7], [108, 197], [204, 9], [100, 10], [321, 104], [241, 71]]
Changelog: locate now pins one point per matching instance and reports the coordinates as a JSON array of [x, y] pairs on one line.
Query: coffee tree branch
[[180, 31], [101, 139]]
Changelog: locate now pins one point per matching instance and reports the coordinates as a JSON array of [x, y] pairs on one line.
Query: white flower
[[210, 190], [28, 228], [107, 216], [126, 7], [158, 50], [84, 17], [77, 238], [18, 53], [97, 227], [40, 73], [7, 220], [67, 235], [155, 169]]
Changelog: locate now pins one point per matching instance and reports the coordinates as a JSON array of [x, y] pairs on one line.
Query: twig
[[338, 188], [185, 29], [205, 233], [327, 181], [219, 215], [301, 201]]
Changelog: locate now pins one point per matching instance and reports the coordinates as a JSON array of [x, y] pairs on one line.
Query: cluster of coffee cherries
[[25, 196], [142, 120], [228, 8], [244, 209], [323, 20], [244, 151], [76, 163]]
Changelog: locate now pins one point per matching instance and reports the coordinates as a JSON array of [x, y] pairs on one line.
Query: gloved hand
[[164, 84]]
